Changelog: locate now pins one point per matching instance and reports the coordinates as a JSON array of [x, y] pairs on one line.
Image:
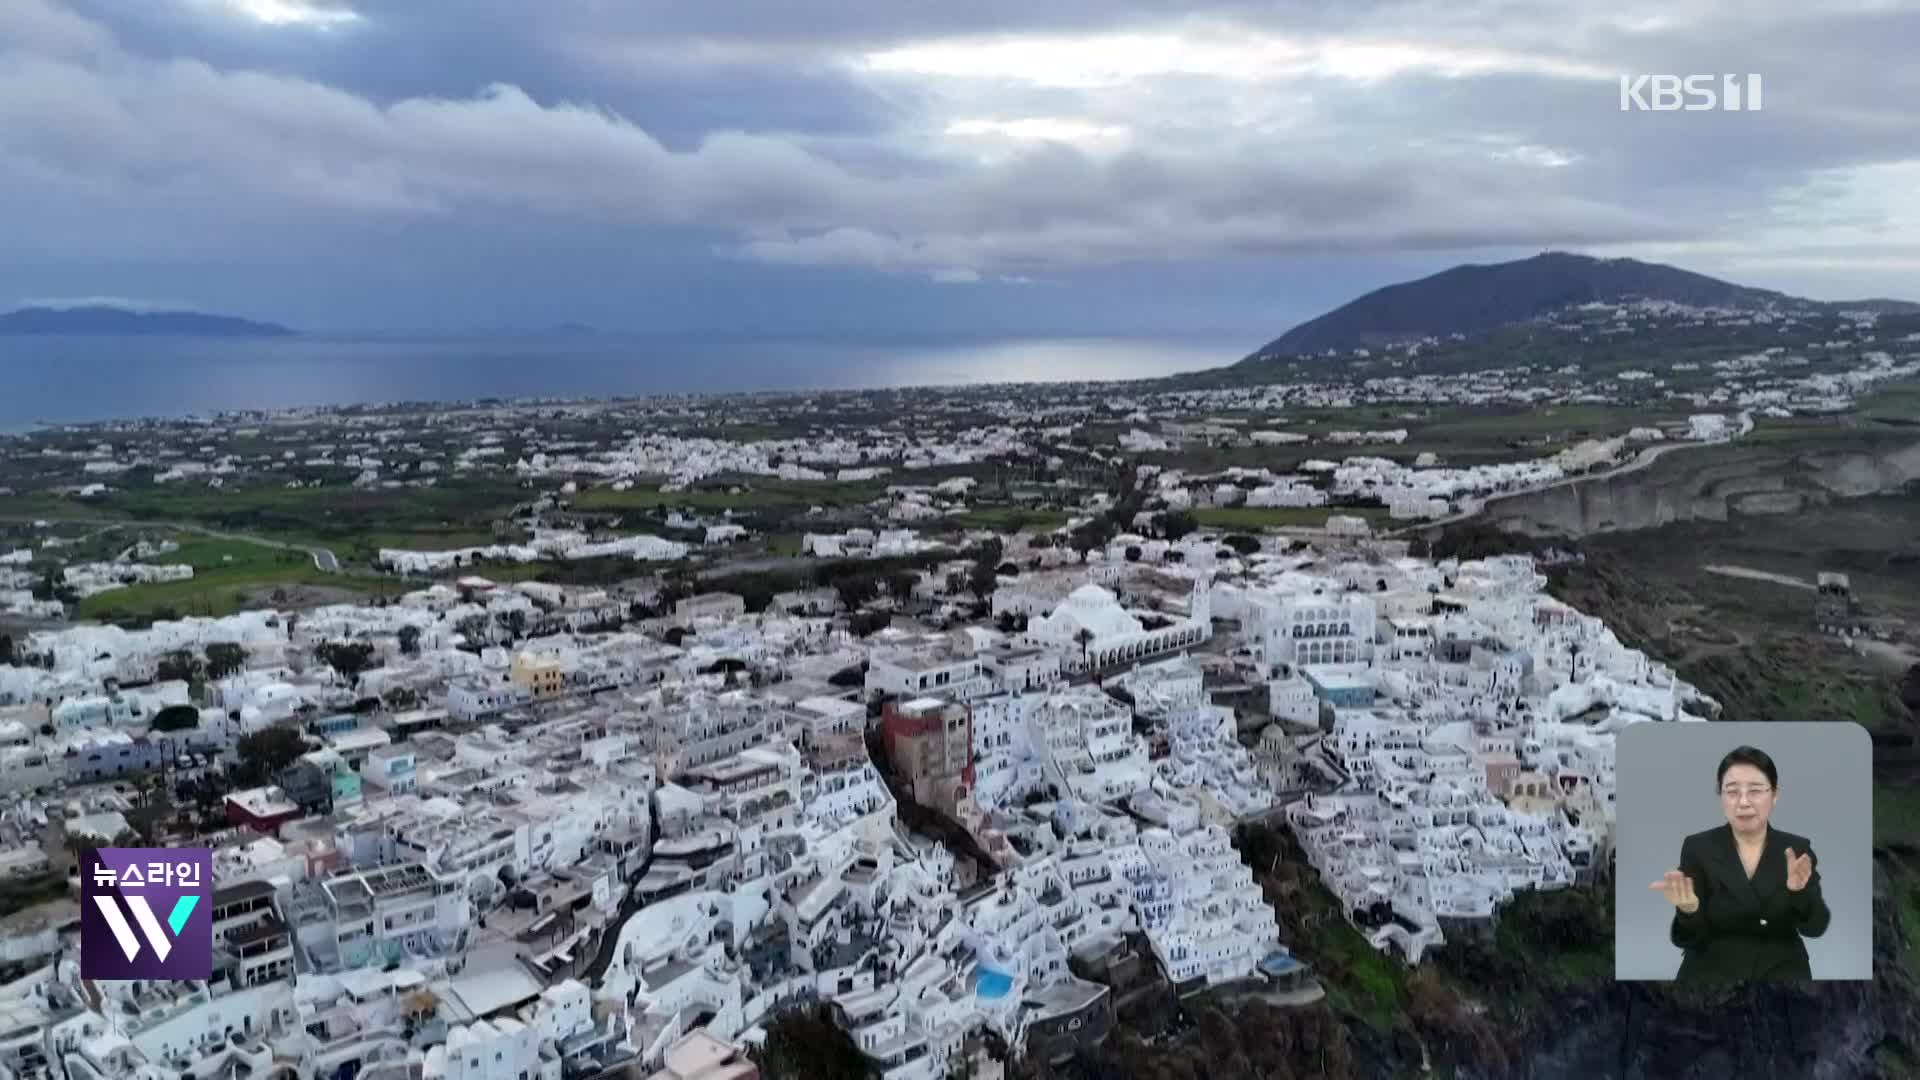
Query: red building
[[930, 743]]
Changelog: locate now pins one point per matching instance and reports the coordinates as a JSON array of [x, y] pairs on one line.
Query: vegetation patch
[[1897, 403], [1273, 517], [221, 591], [1010, 519], [1896, 815]]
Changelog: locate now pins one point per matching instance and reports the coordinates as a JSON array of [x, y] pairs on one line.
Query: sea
[[49, 380]]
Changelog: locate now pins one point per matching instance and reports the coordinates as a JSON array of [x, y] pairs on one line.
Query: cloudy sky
[[926, 167]]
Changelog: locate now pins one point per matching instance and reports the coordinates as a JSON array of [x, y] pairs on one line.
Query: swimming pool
[[992, 985]]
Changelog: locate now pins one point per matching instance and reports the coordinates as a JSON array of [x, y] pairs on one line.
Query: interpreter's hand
[[1799, 870], [1678, 889]]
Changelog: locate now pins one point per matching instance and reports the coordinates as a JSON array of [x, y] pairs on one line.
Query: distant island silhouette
[[102, 319]]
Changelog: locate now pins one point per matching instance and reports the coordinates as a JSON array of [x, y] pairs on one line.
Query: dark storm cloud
[[955, 142], [456, 50]]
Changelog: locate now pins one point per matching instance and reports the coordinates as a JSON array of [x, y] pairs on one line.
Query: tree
[[265, 752], [900, 585], [1910, 690], [856, 590], [1243, 544], [1083, 637], [176, 718], [515, 620], [1178, 523], [984, 577], [865, 623], [675, 635], [1091, 535], [476, 629], [808, 1045], [6, 650], [177, 666], [1133, 553], [225, 658], [349, 658], [991, 550], [410, 640]]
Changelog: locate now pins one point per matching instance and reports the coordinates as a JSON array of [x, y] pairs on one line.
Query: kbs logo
[[1689, 93], [146, 913]]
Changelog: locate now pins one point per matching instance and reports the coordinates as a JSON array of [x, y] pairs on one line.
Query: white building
[[911, 673], [1321, 629], [1220, 926], [1091, 629]]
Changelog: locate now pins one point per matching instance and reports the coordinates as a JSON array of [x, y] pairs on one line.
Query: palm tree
[[1084, 638]]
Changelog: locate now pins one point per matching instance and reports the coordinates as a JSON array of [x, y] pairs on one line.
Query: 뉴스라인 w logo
[[146, 913]]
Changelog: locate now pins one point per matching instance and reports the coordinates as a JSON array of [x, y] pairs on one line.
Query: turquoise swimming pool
[[992, 985]]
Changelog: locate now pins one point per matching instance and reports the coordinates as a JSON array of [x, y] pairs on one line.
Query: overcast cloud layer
[[841, 166]]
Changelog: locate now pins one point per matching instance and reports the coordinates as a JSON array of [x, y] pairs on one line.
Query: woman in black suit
[[1745, 893]]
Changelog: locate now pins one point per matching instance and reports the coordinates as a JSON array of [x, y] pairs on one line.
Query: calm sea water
[[50, 379]]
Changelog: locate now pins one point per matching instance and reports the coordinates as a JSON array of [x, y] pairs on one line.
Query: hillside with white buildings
[[586, 848]]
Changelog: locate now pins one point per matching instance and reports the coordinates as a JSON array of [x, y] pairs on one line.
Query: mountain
[[1880, 305], [1474, 298], [124, 323]]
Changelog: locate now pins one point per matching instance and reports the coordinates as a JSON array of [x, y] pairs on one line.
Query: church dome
[[1091, 596], [1092, 608]]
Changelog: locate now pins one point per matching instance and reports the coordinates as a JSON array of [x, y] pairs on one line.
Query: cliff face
[[1631, 1031], [1624, 1033], [1852, 1029], [1751, 477]]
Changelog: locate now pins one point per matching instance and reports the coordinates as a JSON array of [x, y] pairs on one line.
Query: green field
[[365, 547], [1893, 403], [1571, 422], [29, 505], [653, 498], [206, 553], [352, 522], [221, 590], [785, 545], [1273, 517], [753, 494], [1010, 519], [225, 571]]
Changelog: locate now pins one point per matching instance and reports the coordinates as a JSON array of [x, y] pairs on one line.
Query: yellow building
[[541, 673]]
